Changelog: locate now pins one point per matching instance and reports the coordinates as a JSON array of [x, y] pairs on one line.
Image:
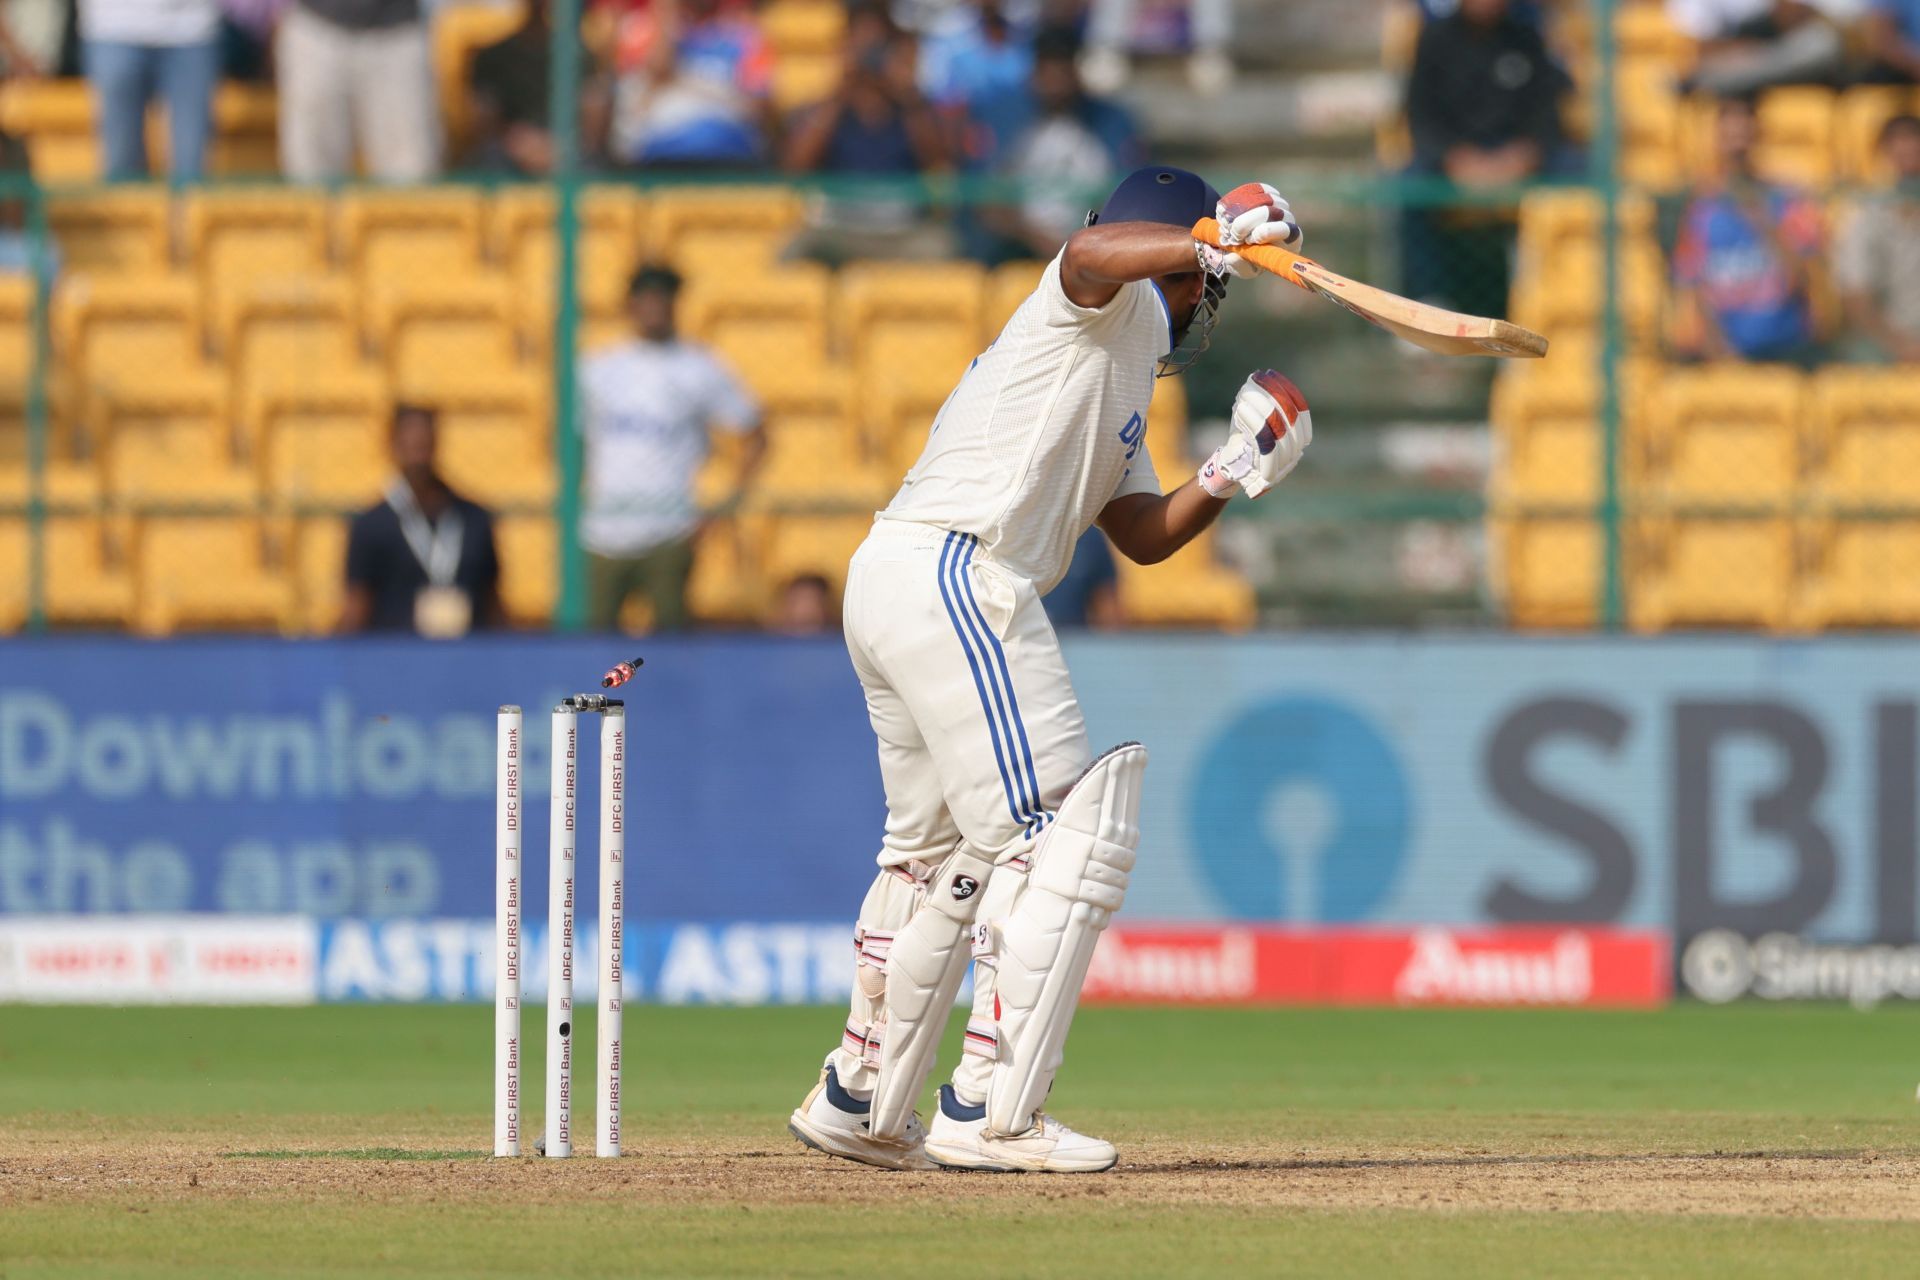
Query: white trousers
[[980, 738], [339, 86]]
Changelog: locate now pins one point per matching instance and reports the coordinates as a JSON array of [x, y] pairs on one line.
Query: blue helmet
[[1175, 197], [1159, 194]]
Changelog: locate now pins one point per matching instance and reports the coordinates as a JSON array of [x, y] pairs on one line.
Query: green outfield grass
[[1690, 1142]]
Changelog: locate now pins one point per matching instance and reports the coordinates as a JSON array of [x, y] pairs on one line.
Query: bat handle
[[1281, 262]]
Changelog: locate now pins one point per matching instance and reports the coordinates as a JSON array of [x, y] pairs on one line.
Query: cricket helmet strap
[[1160, 193]]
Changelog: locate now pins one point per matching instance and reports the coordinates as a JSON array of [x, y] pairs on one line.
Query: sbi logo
[[1299, 811]]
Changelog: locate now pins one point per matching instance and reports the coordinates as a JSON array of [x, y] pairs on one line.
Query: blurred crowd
[[925, 86], [1752, 259]]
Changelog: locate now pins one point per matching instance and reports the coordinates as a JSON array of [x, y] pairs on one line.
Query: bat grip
[[1267, 257]]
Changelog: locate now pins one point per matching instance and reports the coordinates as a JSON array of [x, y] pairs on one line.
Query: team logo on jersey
[[963, 887]]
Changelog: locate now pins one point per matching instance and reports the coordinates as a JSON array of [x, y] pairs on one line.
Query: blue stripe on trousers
[[948, 557], [1040, 815]]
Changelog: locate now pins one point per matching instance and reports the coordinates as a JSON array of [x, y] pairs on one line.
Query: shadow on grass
[[355, 1153]]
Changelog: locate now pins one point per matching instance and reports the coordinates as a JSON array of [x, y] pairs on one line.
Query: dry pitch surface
[[1693, 1142]]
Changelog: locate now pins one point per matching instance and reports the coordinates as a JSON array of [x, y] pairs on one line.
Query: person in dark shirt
[[508, 89], [423, 559], [1089, 596], [1483, 104]]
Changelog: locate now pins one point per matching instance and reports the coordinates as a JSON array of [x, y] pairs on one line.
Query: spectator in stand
[[1749, 45], [422, 559], [139, 50], [1089, 594], [356, 74], [696, 94], [1745, 258], [977, 59], [1483, 104], [648, 405], [806, 607], [1057, 140], [1893, 41], [1877, 261], [1113, 27], [508, 88], [875, 124]]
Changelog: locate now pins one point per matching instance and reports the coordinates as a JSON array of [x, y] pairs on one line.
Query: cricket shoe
[[960, 1140], [834, 1121]]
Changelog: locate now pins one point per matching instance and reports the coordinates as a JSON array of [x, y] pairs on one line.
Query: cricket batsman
[[1008, 842]]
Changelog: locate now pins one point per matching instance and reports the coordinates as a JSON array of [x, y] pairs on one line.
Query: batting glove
[[1253, 213], [1269, 431]]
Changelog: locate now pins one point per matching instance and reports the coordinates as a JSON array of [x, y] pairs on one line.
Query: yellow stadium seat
[[1644, 33], [1650, 115], [1863, 112], [911, 321], [409, 237], [1862, 573], [238, 239], [529, 567], [429, 330], [1547, 434], [116, 229], [725, 230], [1546, 570], [1190, 590], [169, 442], [1706, 571], [87, 577], [520, 238], [1008, 286], [246, 140], [802, 79], [16, 336], [55, 118], [803, 26], [216, 572], [899, 419], [822, 544], [1167, 442], [285, 330], [459, 32], [112, 329], [320, 571], [1797, 135], [1727, 435], [494, 445], [766, 326], [726, 586], [324, 441], [1565, 291], [1866, 425], [1554, 220]]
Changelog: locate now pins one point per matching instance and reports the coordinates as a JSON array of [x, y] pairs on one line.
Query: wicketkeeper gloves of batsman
[[1269, 431]]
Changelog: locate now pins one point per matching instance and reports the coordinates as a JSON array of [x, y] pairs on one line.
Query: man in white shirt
[[647, 406], [1007, 840]]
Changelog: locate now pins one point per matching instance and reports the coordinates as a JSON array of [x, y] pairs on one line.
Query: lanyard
[[437, 548]]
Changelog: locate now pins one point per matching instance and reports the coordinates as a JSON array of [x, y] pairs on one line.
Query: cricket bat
[[1448, 332]]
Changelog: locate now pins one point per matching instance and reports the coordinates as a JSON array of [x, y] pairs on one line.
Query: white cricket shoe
[[834, 1121], [960, 1140]]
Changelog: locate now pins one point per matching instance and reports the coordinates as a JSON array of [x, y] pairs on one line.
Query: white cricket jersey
[[1047, 426], [646, 408]]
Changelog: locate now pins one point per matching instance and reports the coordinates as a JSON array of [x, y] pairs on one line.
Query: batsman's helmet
[[1177, 198]]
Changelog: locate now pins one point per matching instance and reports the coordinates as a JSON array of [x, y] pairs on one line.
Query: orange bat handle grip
[[1267, 257]]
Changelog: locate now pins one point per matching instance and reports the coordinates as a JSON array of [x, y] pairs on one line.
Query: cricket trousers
[[980, 739]]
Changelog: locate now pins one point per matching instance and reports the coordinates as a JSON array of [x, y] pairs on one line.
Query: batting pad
[[924, 967], [1078, 881]]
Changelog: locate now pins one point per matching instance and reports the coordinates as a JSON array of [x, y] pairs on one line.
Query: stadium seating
[[168, 442], [434, 329], [323, 440], [529, 549], [281, 331], [112, 231], [1710, 571], [521, 240], [710, 230], [902, 320], [765, 324], [1723, 436], [727, 586], [389, 236], [319, 572], [1861, 573], [495, 443], [805, 36], [237, 240], [110, 329], [1866, 427], [55, 117], [1546, 570], [1549, 442], [217, 571], [1008, 286], [1863, 111]]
